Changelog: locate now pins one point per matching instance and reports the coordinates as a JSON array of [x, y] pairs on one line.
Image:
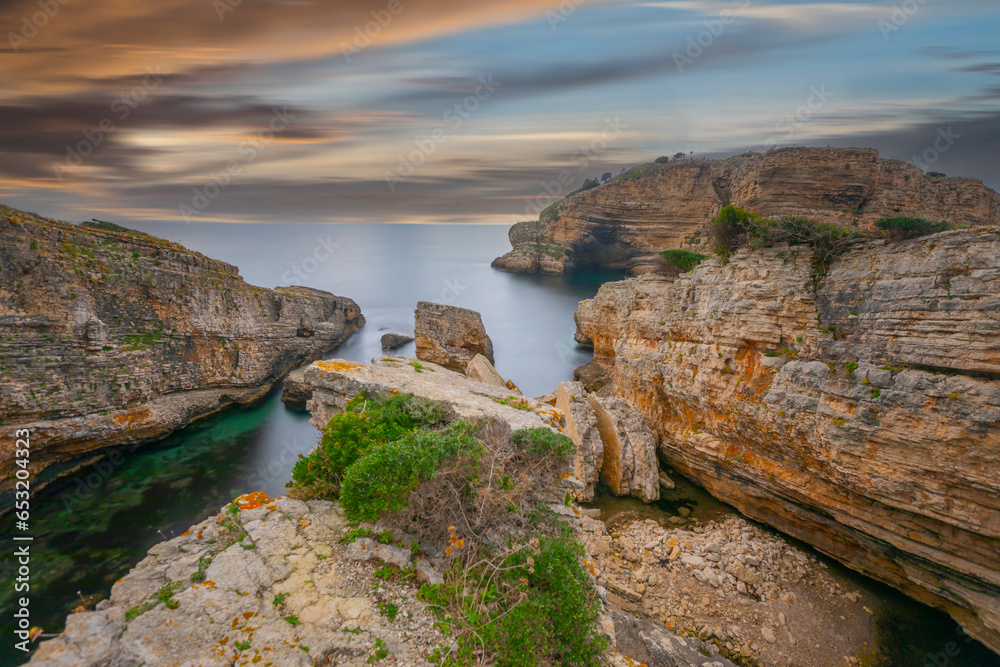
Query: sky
[[462, 110]]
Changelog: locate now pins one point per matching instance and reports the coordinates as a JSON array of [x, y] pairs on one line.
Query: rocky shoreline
[[112, 336], [625, 222]]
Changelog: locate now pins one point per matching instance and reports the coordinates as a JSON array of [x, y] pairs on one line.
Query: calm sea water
[[92, 526]]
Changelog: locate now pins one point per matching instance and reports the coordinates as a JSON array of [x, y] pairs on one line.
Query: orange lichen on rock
[[337, 365], [251, 501]]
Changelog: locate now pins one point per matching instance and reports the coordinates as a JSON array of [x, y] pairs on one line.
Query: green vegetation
[[543, 442], [735, 228], [389, 609], [513, 402], [419, 367], [381, 652], [675, 262], [366, 421], [516, 592], [165, 595], [909, 228], [535, 607], [379, 482], [242, 645], [551, 212]]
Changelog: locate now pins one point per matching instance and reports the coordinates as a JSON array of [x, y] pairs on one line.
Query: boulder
[[391, 341], [592, 376], [629, 465], [481, 370], [450, 336], [653, 644]]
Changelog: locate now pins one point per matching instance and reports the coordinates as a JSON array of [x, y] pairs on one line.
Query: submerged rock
[[450, 336]]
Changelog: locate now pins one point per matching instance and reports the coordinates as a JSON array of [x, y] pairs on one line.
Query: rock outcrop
[[334, 382], [287, 593], [533, 251], [614, 445], [391, 341], [629, 467], [653, 207], [450, 336], [108, 335], [862, 418]]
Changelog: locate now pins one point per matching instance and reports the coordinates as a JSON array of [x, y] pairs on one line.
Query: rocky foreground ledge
[[285, 583], [288, 582], [108, 335]]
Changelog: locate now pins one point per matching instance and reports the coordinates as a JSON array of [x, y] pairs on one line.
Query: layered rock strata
[[653, 207], [863, 418], [108, 335], [450, 336]]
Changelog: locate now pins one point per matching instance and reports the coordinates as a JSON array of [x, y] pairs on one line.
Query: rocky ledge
[[613, 443], [287, 582], [625, 222], [108, 335], [862, 417]]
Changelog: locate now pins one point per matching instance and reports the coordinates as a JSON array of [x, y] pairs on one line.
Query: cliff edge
[[625, 222], [109, 335], [862, 417]]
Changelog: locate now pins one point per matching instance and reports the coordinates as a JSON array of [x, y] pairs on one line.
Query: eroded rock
[[450, 336]]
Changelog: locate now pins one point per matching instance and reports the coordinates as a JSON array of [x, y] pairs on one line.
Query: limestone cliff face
[[863, 418], [624, 223], [110, 336]]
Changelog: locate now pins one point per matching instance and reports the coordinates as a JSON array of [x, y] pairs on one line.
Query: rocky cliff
[[108, 335], [862, 418], [654, 207]]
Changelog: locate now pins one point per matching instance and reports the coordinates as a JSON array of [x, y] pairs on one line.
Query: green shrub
[[537, 607], [543, 442], [365, 422], [381, 481], [909, 228], [734, 228], [675, 262]]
